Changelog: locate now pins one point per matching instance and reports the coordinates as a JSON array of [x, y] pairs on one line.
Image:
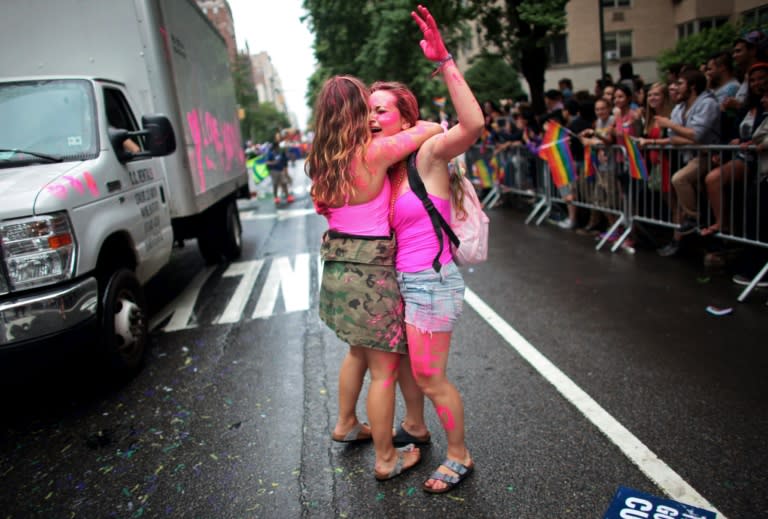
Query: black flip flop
[[403, 437]]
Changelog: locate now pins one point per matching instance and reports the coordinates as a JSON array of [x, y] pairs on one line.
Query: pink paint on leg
[[422, 358], [446, 417], [393, 367]]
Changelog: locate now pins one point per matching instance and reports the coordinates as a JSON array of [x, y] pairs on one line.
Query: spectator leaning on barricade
[[605, 192], [749, 264], [579, 118], [745, 162], [722, 81], [658, 104], [700, 117], [748, 49]]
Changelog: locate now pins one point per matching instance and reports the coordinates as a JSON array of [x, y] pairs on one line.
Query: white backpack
[[468, 231]]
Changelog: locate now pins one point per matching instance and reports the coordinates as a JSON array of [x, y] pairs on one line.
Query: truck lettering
[[139, 176], [151, 225], [150, 209], [146, 195]]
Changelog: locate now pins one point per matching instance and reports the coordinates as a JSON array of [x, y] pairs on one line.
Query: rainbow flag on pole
[[590, 162], [555, 149], [637, 169]]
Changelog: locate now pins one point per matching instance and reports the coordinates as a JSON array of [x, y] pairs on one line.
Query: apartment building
[[635, 31], [220, 14]]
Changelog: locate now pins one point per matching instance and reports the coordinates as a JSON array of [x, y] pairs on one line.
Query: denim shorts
[[433, 301]]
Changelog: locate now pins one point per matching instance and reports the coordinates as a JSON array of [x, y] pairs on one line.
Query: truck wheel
[[221, 235], [208, 243], [232, 239], [124, 321]]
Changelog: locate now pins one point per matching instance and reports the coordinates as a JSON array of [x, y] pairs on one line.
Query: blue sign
[[633, 504]]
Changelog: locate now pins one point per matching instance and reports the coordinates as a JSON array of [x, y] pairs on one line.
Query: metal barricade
[[688, 183]]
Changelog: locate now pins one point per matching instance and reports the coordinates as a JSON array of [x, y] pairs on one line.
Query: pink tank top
[[417, 243], [367, 219]]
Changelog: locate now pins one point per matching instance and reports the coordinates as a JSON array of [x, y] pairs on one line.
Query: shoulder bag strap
[[438, 222]]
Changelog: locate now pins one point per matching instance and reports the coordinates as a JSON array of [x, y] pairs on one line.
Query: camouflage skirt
[[359, 295]]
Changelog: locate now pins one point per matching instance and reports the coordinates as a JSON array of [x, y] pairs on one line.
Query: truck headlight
[[38, 251]]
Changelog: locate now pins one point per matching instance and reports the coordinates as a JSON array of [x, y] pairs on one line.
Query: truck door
[[153, 233]]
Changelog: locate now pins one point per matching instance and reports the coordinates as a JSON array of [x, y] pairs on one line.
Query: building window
[[558, 50], [689, 28], [618, 45], [756, 18], [616, 3]]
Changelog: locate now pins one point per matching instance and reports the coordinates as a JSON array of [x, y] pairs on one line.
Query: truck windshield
[[53, 118]]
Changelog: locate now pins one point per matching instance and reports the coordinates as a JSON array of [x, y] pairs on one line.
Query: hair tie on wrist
[[441, 64]]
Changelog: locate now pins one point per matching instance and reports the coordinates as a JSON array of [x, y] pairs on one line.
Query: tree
[[695, 49], [245, 93], [492, 78], [521, 31], [265, 119], [378, 40]]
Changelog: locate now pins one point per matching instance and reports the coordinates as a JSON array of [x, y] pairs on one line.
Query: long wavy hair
[[664, 110], [342, 134], [408, 106]]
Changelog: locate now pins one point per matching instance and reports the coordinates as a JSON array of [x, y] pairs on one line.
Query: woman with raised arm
[[433, 295], [359, 295]]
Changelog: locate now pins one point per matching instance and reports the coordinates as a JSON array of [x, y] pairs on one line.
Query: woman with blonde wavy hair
[[359, 296]]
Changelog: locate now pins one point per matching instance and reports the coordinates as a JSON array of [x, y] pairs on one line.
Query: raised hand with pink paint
[[432, 44]]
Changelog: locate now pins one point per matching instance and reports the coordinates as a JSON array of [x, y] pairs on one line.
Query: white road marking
[[294, 284], [249, 270], [658, 471], [181, 308], [280, 214]]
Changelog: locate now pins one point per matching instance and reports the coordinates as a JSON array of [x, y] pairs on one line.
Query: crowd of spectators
[[722, 101]]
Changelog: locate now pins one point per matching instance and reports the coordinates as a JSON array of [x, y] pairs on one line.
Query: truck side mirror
[[159, 137], [117, 137]]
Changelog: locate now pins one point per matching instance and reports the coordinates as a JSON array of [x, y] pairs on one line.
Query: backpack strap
[[438, 222]]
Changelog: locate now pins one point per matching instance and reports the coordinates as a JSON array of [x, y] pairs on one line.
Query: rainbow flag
[[484, 170], [637, 169], [555, 149], [258, 168], [439, 101], [590, 162]]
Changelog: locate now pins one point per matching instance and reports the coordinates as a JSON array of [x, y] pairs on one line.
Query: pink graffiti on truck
[[217, 147], [61, 191]]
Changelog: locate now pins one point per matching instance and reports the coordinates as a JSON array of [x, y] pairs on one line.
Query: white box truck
[[119, 136]]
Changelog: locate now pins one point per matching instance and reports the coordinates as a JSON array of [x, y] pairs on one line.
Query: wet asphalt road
[[231, 418]]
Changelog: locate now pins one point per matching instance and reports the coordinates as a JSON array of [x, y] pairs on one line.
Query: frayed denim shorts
[[433, 300]]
